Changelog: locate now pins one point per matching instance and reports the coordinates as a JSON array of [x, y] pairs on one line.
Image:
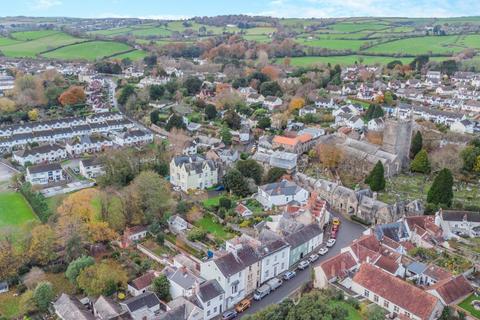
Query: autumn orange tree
[[42, 244], [73, 95], [329, 154], [271, 71], [77, 217], [296, 103]]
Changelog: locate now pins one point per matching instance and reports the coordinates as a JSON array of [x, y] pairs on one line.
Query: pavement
[[348, 232]]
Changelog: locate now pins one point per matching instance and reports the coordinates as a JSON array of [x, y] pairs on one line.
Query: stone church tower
[[397, 137]]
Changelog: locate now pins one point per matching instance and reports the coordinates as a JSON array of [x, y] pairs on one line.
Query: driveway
[[349, 231]]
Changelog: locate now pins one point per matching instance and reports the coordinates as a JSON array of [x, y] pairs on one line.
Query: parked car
[[227, 315], [289, 275], [243, 305], [323, 251], [333, 234], [274, 283], [331, 242], [336, 221], [176, 188], [314, 257], [303, 264], [261, 292]]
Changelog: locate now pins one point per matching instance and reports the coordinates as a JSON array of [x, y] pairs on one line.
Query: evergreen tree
[[235, 182], [420, 163], [210, 111], [441, 191], [161, 286], [175, 121], [226, 135], [417, 144], [376, 179]]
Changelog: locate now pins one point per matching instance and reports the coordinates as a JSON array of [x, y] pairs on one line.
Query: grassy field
[[7, 41], [334, 44], [15, 210], [89, 50], [355, 27], [33, 35], [32, 48], [343, 60], [133, 55], [419, 45]]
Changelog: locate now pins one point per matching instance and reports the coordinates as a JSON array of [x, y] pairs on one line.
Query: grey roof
[[147, 299], [417, 267], [451, 215], [91, 162], [69, 308], [283, 187], [395, 231], [106, 308], [193, 163], [303, 235], [232, 263], [209, 290], [44, 168], [183, 278], [39, 150]]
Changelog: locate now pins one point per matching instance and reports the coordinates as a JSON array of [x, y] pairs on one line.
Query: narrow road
[[349, 231]]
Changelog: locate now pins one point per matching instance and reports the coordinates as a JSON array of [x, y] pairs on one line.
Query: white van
[[261, 292], [274, 283]]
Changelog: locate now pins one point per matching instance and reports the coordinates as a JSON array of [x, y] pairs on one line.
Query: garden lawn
[[89, 50], [212, 202], [14, 210], [353, 314], [215, 228], [466, 305], [10, 305]]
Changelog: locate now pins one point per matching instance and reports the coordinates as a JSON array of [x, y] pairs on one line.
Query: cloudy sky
[[169, 9]]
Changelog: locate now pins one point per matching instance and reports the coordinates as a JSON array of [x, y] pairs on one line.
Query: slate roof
[[231, 263], [303, 235], [69, 308], [284, 187], [451, 215], [417, 267], [44, 168], [394, 231], [39, 150], [209, 290], [147, 299], [183, 278], [193, 163]]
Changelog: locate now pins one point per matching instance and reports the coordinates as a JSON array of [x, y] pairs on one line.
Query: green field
[[355, 27], [420, 45], [32, 48], [334, 44], [132, 55], [7, 41], [89, 50], [343, 60], [14, 210], [33, 35]]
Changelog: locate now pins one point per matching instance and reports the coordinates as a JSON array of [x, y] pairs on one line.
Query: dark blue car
[[229, 315]]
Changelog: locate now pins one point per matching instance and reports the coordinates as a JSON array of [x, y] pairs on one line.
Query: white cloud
[[46, 4]]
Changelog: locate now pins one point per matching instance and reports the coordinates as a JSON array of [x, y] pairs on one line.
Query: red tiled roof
[[144, 281], [240, 209], [387, 264], [338, 265], [452, 290], [401, 293], [437, 273], [285, 140]]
